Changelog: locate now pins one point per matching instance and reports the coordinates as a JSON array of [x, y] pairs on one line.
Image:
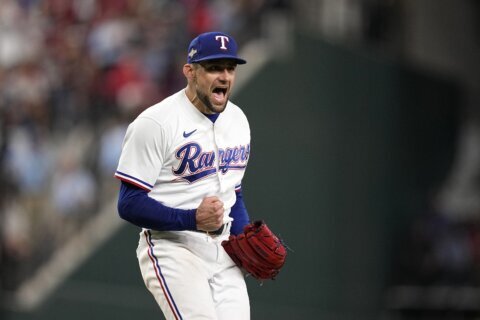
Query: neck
[[191, 95]]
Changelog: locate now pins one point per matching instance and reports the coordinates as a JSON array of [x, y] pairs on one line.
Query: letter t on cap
[[222, 39]]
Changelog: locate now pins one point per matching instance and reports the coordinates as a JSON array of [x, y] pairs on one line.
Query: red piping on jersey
[[132, 182]]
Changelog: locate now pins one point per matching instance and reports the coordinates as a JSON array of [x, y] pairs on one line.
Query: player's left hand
[[257, 250]]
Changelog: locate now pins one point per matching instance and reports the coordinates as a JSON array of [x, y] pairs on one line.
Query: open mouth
[[219, 93]]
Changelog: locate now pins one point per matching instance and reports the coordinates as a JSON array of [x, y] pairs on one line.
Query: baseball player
[[181, 169]]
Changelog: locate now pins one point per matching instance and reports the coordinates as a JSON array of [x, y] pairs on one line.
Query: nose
[[225, 74]]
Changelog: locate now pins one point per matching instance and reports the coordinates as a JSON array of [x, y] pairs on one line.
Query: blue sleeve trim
[[239, 214], [135, 206]]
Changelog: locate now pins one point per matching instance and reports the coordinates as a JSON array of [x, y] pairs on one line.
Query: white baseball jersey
[[180, 156]]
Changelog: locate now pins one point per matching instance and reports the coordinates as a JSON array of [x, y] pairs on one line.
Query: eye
[[219, 67], [210, 68]]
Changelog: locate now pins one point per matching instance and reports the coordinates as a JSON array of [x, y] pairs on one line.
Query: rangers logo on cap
[[223, 39]]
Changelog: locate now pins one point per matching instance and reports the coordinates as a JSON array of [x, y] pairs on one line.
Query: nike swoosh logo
[[188, 134]]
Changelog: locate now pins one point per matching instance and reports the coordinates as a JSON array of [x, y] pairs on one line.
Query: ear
[[188, 71]]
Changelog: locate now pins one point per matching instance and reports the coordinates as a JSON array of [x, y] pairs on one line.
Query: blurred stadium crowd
[[73, 74]]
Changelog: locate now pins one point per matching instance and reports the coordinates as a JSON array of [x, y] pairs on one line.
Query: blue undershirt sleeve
[[239, 214], [135, 206]]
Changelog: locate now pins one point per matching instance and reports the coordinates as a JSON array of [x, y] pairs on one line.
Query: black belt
[[215, 233]]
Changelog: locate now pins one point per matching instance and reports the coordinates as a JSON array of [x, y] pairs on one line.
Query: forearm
[[136, 207]]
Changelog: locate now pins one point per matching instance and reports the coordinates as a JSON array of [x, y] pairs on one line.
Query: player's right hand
[[209, 214]]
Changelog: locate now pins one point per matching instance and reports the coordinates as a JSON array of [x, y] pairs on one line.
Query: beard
[[206, 101]]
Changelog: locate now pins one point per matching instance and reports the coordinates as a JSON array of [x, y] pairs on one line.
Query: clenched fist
[[209, 214]]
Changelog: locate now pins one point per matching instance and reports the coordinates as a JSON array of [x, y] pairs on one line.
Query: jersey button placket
[[217, 141]]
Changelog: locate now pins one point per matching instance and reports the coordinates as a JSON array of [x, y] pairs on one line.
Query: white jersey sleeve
[[143, 153]]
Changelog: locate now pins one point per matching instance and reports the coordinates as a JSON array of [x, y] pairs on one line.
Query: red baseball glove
[[257, 250]]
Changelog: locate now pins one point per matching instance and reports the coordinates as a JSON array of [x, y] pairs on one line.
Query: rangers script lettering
[[196, 164]]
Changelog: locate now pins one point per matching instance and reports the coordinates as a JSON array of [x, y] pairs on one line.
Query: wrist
[[191, 221]]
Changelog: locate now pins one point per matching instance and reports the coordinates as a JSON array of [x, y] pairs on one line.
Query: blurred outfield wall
[[345, 149]]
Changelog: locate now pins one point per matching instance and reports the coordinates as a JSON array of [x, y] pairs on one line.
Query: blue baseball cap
[[213, 45]]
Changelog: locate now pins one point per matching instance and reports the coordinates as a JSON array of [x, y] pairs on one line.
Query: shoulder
[[158, 118], [162, 112], [235, 112]]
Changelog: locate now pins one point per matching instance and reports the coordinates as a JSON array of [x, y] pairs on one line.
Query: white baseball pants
[[191, 276]]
